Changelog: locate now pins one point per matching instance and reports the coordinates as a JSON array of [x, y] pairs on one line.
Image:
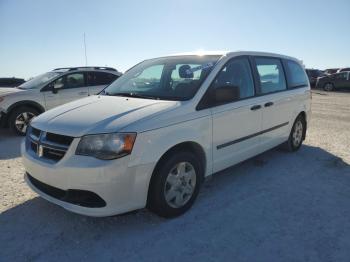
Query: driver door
[[237, 123], [341, 80], [65, 89]]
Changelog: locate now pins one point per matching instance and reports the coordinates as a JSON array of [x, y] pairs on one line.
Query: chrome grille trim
[[45, 149]]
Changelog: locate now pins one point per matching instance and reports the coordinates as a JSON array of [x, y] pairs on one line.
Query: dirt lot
[[276, 207]]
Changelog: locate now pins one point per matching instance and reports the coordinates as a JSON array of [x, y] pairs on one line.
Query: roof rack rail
[[86, 67]]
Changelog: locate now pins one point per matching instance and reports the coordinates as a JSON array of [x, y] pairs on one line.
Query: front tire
[[20, 119], [175, 185], [297, 134]]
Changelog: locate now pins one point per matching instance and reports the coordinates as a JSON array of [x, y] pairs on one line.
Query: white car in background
[[62, 85], [153, 135]]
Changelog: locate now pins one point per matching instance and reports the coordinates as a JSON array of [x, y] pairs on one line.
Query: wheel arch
[[27, 103], [187, 146], [10, 110]]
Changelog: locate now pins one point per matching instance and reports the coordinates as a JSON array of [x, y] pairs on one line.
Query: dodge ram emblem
[[40, 151]]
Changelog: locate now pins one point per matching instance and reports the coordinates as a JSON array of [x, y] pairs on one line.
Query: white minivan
[[152, 136]]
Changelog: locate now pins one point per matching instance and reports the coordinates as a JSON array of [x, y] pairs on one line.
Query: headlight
[[106, 146]]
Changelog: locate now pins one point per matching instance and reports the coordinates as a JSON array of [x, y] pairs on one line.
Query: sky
[[38, 36]]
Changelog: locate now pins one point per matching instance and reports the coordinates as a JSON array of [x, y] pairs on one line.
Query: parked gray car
[[334, 81], [59, 86]]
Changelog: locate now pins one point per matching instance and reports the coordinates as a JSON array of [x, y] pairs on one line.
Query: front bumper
[[3, 118], [122, 187]]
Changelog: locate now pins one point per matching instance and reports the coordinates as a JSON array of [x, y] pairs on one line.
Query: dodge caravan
[[152, 136]]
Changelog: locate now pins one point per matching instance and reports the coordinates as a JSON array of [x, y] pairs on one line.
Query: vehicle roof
[[235, 53], [11, 78], [87, 68]]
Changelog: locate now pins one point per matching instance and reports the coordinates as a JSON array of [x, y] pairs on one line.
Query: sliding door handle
[[268, 104], [256, 107]]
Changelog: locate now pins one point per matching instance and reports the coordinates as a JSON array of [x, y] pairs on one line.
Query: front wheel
[[20, 119], [175, 185]]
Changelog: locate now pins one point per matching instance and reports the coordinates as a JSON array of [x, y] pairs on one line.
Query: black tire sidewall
[[157, 202], [324, 87], [15, 113], [291, 145]]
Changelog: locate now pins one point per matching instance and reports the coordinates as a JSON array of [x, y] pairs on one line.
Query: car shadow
[[10, 144], [284, 206]]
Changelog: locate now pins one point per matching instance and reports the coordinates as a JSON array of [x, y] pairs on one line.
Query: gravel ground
[[277, 206]]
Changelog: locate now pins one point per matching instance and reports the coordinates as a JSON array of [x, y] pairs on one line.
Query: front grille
[[60, 139], [47, 146], [34, 146]]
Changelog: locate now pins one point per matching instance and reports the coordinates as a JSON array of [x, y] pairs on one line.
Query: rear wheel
[[296, 136], [20, 119], [175, 185], [328, 87]]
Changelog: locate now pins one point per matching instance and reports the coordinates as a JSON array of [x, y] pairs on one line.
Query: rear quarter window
[[271, 75], [296, 76]]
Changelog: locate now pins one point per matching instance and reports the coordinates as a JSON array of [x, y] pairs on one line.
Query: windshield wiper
[[133, 95]]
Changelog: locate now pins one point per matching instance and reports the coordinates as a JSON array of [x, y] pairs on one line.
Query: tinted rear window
[[296, 76], [100, 78]]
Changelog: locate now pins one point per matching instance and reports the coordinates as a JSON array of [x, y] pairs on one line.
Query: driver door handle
[[83, 93], [268, 104], [256, 107]]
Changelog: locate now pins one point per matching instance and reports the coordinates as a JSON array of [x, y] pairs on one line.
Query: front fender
[[151, 145]]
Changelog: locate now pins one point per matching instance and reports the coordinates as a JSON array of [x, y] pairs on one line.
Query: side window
[[295, 74], [100, 78], [341, 76], [59, 81], [271, 75], [235, 75], [74, 80]]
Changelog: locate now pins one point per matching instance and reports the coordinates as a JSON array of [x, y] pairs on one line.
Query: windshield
[[39, 80], [168, 78]]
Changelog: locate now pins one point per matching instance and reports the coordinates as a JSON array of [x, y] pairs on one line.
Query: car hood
[[9, 90], [99, 114], [323, 77]]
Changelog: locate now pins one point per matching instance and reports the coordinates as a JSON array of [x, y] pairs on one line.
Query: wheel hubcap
[[297, 133], [180, 184], [328, 87], [22, 121]]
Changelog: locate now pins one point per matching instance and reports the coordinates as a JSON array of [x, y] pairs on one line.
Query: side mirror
[[56, 86], [226, 94]]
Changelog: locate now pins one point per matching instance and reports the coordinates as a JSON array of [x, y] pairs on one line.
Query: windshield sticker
[[197, 68]]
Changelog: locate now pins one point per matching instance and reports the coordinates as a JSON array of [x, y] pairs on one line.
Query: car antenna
[[86, 61]]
